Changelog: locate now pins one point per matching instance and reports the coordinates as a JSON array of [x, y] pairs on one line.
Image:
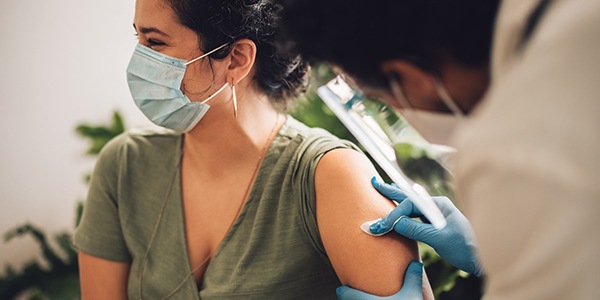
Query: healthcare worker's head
[[417, 53]]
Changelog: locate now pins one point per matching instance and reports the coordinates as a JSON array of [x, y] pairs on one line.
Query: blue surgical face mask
[[155, 84]]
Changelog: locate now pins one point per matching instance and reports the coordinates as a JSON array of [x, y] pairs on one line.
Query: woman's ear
[[416, 84], [241, 60]]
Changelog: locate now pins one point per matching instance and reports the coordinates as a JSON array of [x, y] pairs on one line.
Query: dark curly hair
[[358, 35], [281, 74]]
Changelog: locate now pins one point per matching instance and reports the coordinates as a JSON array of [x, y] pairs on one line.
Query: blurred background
[[62, 63], [63, 94]]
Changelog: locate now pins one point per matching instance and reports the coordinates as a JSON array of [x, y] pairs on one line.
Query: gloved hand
[[455, 243], [412, 289]]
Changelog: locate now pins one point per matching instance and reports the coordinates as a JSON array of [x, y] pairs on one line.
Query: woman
[[226, 205]]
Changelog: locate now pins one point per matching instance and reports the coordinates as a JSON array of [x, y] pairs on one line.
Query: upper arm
[[101, 278], [344, 200]]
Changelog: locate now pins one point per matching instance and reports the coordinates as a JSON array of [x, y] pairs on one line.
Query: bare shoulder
[[346, 199]]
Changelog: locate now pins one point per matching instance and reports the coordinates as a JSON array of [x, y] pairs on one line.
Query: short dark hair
[[359, 35], [281, 74]]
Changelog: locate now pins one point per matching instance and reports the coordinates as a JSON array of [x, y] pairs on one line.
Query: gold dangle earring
[[234, 99]]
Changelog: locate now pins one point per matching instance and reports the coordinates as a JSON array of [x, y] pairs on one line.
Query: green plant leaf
[[99, 135]]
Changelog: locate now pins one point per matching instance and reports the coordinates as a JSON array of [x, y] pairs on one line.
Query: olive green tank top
[[273, 250]]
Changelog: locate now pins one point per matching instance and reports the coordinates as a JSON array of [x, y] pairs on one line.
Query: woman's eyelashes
[[150, 42], [153, 42]]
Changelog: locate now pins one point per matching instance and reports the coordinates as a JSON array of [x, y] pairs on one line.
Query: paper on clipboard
[[337, 94]]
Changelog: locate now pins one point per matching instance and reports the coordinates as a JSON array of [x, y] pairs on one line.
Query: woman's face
[[157, 27]]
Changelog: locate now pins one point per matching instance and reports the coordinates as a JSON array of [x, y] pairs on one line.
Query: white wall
[[62, 62]]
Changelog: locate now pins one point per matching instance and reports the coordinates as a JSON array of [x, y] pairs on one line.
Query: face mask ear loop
[[234, 99], [447, 99], [206, 54], [215, 93]]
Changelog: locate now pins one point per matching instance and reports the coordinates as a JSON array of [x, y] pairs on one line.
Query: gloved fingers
[[390, 191], [405, 208], [393, 192], [417, 231], [413, 282], [412, 288], [348, 293]]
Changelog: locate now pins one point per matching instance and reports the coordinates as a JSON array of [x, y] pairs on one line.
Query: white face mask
[[435, 127]]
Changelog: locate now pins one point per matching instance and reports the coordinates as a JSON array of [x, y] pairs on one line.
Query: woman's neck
[[221, 138]]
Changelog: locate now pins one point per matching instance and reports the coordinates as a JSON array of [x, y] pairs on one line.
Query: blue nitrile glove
[[455, 243], [412, 289]]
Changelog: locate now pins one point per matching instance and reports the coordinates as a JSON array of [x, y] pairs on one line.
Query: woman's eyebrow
[[146, 30]]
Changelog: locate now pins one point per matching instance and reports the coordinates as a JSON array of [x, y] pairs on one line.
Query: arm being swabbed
[[345, 200]]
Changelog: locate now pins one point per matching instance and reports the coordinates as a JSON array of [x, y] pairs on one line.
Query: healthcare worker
[[515, 83]]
